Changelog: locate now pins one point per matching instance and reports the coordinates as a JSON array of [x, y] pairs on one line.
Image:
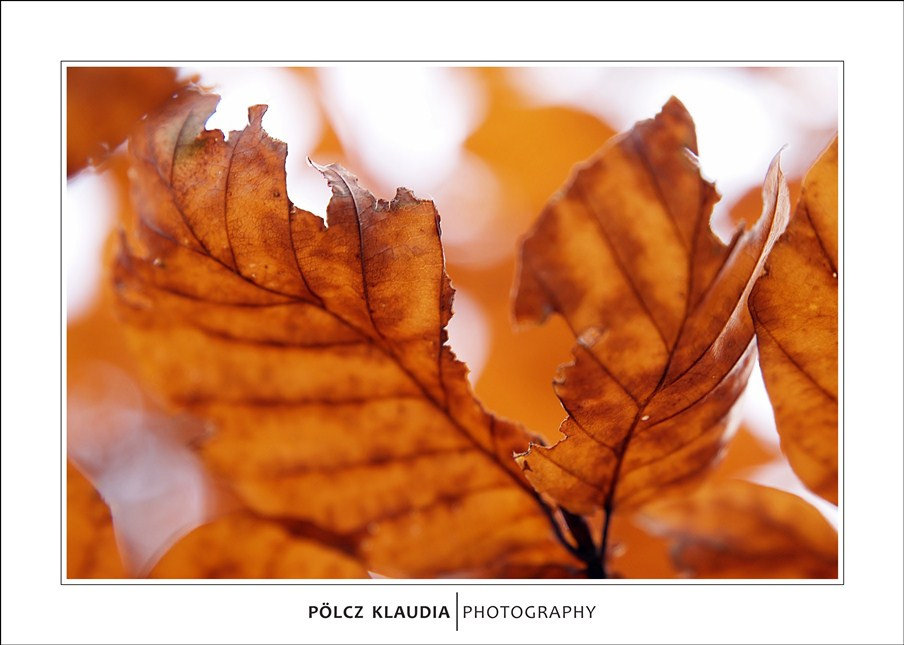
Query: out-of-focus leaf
[[638, 553], [515, 379], [90, 542], [103, 104], [741, 530], [319, 353], [657, 303], [241, 545], [635, 552], [795, 309], [528, 148], [745, 453], [531, 147]]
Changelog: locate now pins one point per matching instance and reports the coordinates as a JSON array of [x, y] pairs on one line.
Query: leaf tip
[[404, 197], [340, 180], [676, 122], [674, 106], [256, 114], [775, 191], [316, 166], [531, 306], [776, 164]]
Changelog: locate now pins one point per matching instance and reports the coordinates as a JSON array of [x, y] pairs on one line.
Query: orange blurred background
[[489, 146]]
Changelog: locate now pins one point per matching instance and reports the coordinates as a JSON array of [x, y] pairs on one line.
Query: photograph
[[417, 323], [410, 321]]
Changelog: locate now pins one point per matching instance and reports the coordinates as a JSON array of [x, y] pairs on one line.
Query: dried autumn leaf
[[795, 309], [742, 530], [103, 104], [657, 302], [319, 354]]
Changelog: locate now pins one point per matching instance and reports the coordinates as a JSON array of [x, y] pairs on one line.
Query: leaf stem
[[560, 536], [596, 565], [604, 539], [596, 570]]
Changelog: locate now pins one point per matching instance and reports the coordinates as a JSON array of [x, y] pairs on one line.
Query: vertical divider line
[[456, 611]]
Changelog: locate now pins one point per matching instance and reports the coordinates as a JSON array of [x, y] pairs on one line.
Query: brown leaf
[[657, 303], [103, 104], [319, 353], [795, 309], [742, 530]]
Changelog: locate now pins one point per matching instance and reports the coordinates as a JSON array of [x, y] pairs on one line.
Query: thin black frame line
[[454, 60], [63, 326], [843, 344], [376, 584], [211, 582]]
